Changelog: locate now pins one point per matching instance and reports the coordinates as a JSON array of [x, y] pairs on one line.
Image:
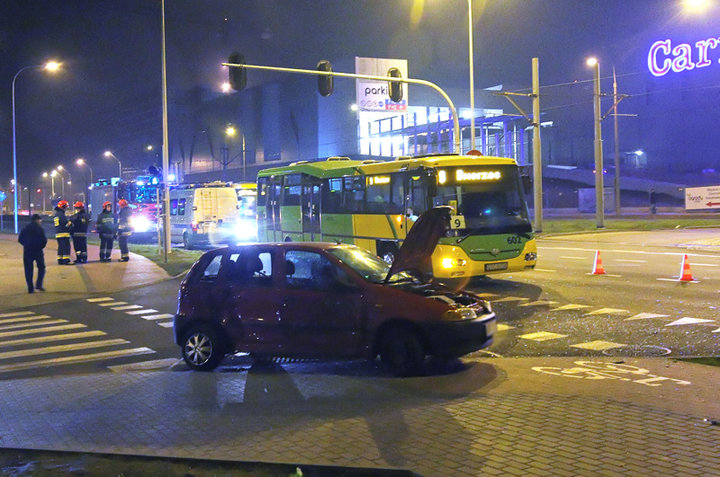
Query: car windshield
[[369, 266]]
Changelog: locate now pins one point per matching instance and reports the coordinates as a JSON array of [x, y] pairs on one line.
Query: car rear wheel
[[186, 242], [402, 352], [202, 349]]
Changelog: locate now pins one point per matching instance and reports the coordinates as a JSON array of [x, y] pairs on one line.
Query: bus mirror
[[237, 75], [527, 184], [395, 88], [325, 82]]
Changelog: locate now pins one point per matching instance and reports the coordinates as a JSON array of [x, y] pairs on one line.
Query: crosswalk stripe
[[84, 358], [598, 345], [156, 364], [17, 313], [509, 298], [571, 306], [61, 348], [167, 324], [97, 300], [26, 318], [544, 270], [539, 303], [28, 325], [141, 312], [46, 339], [161, 316], [126, 307], [607, 311], [47, 329], [114, 303]]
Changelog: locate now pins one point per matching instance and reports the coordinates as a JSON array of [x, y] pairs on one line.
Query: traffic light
[[395, 88], [237, 75], [326, 84]]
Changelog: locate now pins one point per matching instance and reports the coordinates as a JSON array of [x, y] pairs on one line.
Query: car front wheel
[[402, 352], [202, 349]]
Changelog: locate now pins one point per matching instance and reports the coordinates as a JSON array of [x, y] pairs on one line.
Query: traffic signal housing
[[395, 88], [326, 83], [237, 75]]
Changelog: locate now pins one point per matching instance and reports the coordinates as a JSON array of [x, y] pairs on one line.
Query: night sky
[[108, 94]]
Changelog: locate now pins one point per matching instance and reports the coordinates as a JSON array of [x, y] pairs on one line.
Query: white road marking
[[156, 364], [486, 295], [161, 316], [17, 313], [608, 311], [645, 316], [634, 252], [23, 319], [126, 307], [141, 312], [510, 298], [573, 258], [716, 331], [571, 306], [504, 327], [542, 336], [539, 303], [544, 270], [48, 329], [85, 358], [114, 303], [598, 345], [97, 300], [705, 265], [167, 324], [46, 339], [604, 274], [629, 261], [676, 280], [61, 348], [689, 321], [28, 325]]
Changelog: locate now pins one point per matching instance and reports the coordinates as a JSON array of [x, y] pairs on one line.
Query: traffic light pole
[[456, 123]]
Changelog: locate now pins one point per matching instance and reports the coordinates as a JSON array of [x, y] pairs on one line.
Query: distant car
[[325, 300]]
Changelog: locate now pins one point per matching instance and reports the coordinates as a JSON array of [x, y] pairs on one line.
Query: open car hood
[[415, 253]]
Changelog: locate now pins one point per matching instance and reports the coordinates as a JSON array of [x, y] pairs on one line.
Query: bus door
[[417, 197], [311, 209], [272, 207]]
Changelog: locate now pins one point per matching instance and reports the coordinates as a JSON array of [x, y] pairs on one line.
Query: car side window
[[250, 267], [310, 271], [212, 269]]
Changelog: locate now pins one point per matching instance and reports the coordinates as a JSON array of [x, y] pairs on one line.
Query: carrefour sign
[[665, 57], [373, 95]]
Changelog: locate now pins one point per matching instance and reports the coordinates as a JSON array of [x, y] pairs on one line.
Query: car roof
[[282, 245]]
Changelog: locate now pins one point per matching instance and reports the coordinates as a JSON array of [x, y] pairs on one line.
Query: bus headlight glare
[[448, 262], [140, 223], [245, 230]]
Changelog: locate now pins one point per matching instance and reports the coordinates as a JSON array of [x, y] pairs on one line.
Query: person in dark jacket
[[80, 221], [32, 238], [62, 233], [124, 229], [106, 229]]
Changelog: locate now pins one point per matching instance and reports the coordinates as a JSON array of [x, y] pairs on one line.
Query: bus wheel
[[387, 251], [288, 239]]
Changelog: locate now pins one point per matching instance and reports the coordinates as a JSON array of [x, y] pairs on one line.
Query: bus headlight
[[140, 223], [448, 262], [530, 257]]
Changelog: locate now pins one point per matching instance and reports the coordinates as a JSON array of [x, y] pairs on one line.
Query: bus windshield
[[369, 266], [494, 205]]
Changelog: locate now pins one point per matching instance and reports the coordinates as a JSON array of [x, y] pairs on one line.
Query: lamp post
[[472, 78], [52, 183], [231, 131], [82, 162], [69, 179], [110, 154], [62, 181], [599, 192], [50, 66]]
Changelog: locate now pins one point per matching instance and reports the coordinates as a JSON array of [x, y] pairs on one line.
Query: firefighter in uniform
[[62, 233], [124, 229], [80, 221], [106, 229]]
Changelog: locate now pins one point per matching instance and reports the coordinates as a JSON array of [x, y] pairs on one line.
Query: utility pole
[[599, 192], [616, 178]]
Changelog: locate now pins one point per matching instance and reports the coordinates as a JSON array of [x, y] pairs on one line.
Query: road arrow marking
[[542, 336], [689, 321], [608, 311], [645, 316], [510, 298], [539, 303], [598, 345], [571, 306]]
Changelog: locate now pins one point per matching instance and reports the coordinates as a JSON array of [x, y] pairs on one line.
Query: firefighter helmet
[[106, 203], [123, 203], [78, 205], [63, 204]]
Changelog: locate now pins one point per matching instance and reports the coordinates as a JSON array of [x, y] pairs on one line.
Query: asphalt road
[[638, 308]]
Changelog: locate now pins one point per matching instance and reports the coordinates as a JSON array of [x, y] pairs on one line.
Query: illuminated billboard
[[373, 95], [665, 57]]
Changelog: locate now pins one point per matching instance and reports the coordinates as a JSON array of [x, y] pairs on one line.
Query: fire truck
[[142, 196]]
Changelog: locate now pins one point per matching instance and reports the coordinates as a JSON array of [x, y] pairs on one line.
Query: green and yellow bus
[[372, 204]]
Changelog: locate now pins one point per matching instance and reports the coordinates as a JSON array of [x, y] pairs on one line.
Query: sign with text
[[664, 56], [702, 198], [373, 95]]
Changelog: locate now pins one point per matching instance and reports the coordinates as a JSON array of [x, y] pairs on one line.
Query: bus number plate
[[457, 222], [493, 267]]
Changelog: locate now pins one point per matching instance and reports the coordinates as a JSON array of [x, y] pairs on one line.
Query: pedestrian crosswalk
[[39, 341], [164, 320]]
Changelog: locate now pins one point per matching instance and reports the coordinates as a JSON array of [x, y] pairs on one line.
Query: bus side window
[[173, 207], [397, 194], [353, 194]]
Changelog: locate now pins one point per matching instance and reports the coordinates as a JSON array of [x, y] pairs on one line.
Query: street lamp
[[599, 192], [231, 131], [50, 66], [82, 162], [52, 183], [62, 181], [110, 154], [69, 178]]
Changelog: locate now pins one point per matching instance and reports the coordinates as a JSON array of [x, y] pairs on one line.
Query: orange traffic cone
[[598, 266], [685, 275]]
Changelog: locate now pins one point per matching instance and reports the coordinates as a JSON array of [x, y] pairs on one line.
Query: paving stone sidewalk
[[494, 417]]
